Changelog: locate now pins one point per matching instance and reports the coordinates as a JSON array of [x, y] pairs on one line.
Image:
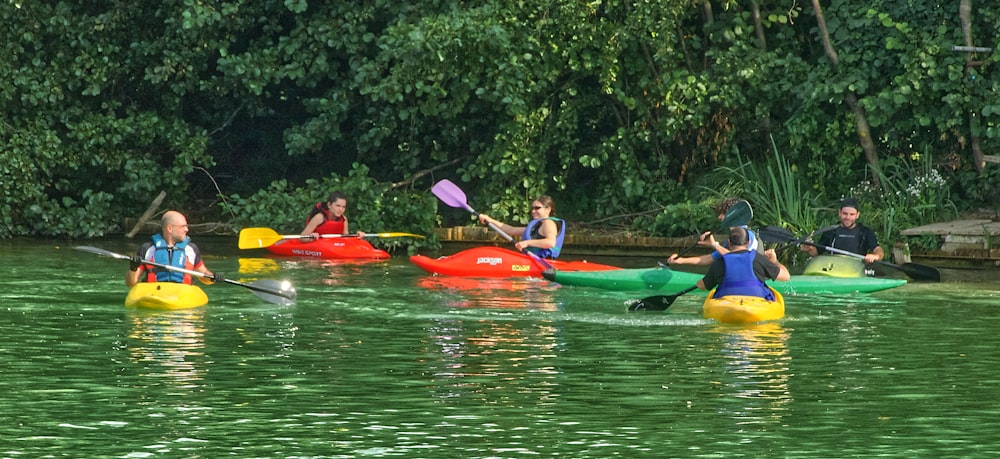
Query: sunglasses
[[538, 207]]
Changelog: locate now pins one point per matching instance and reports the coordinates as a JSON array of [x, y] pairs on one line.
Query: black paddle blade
[[739, 214], [651, 303], [775, 235], [657, 302], [920, 272]]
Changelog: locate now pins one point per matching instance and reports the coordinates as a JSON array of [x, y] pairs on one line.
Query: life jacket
[[178, 256], [330, 224], [853, 240], [532, 232], [740, 278], [752, 245]]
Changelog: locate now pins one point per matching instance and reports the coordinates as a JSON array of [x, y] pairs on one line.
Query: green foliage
[[682, 220], [614, 108], [913, 194], [776, 192], [373, 207]]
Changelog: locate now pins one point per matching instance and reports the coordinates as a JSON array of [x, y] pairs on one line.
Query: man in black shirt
[[851, 236]]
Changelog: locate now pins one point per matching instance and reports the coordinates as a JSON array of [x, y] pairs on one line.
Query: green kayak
[[664, 279]]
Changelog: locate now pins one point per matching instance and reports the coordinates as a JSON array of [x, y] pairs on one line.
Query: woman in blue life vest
[[328, 217], [171, 247], [742, 271], [543, 235]]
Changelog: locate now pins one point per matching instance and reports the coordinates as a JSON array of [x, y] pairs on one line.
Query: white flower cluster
[[931, 181]]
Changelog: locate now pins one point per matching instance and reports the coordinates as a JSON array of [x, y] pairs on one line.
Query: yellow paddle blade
[[258, 238]]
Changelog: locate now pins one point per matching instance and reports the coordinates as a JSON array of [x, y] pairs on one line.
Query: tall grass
[[777, 195], [912, 194]]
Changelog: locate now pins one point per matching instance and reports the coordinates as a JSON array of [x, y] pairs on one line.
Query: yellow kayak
[[744, 309], [165, 295]]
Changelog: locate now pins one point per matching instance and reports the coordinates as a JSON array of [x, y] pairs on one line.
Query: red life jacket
[[330, 224]]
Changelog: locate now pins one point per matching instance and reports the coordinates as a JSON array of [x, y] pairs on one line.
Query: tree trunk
[[860, 119], [965, 14]]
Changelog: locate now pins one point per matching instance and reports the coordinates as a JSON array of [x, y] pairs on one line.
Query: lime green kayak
[[664, 279], [834, 266]]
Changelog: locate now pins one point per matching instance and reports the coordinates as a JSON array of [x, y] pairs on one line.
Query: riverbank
[[967, 244]]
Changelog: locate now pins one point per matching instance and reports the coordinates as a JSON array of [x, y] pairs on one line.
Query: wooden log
[[147, 214]]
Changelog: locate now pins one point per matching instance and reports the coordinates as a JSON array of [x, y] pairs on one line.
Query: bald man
[[171, 247]]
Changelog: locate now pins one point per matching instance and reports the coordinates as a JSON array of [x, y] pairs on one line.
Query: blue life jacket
[[751, 246], [740, 278], [531, 232], [176, 256]]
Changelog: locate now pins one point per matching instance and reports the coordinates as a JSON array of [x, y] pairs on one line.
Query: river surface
[[381, 360]]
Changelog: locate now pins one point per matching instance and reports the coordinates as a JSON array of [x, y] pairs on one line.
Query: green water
[[380, 360]]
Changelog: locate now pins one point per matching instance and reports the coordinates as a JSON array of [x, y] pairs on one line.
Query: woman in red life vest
[[328, 217]]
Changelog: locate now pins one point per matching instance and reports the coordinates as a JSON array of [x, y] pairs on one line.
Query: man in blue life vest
[[171, 247], [851, 235], [742, 271], [543, 235]]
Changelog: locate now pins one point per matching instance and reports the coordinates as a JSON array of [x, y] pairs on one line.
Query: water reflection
[[515, 293], [258, 266], [489, 361], [169, 345], [756, 360]]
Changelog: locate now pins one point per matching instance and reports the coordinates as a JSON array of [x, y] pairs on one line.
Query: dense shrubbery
[[615, 108]]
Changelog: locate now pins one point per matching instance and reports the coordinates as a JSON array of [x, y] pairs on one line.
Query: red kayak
[[328, 248], [497, 262]]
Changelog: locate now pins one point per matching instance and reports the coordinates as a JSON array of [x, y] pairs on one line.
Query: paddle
[[258, 238], [453, 196], [269, 290], [738, 214], [657, 302], [768, 235], [914, 270]]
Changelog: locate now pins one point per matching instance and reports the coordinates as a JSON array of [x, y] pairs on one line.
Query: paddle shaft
[[108, 253]]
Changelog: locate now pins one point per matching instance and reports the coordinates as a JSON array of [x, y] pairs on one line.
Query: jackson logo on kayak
[[492, 261]]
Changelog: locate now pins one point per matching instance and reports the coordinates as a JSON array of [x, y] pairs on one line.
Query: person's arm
[[824, 239], [135, 270], [713, 277], [132, 277], [874, 251], [783, 275], [510, 230], [549, 231], [209, 274], [703, 260], [875, 255], [346, 230], [314, 222]]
